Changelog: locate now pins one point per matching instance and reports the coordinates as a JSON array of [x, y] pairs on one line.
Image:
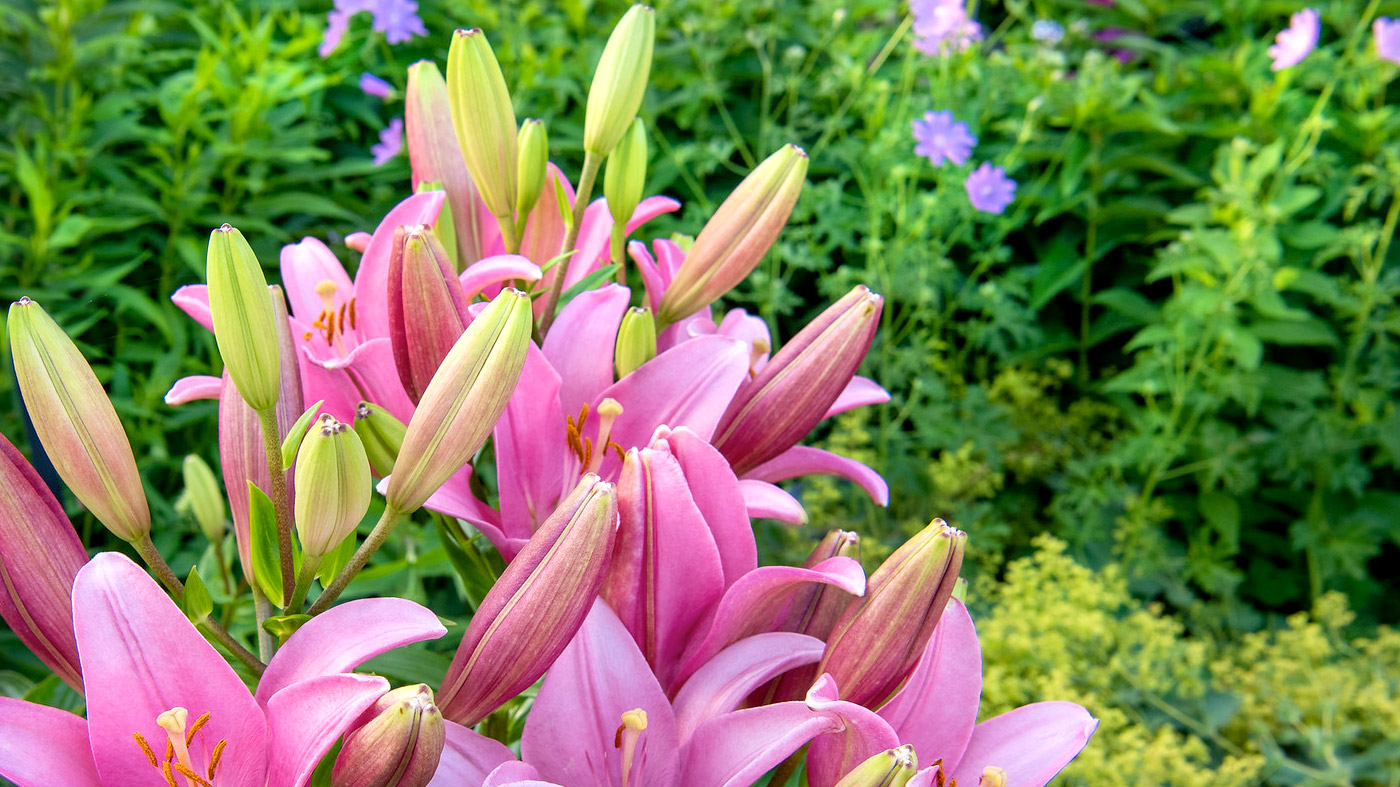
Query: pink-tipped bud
[[735, 239], [462, 402], [890, 768], [880, 637], [427, 308], [537, 605], [436, 157], [795, 389], [76, 423], [39, 557], [398, 745]]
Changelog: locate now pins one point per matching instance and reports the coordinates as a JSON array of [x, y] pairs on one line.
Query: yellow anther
[[191, 775], [146, 748], [216, 757], [168, 774], [198, 723]]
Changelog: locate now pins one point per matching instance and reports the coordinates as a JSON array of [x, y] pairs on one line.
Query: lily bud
[[734, 240], [796, 388], [40, 554], [620, 81], [333, 486], [484, 119], [636, 341], [890, 768], [76, 423], [202, 496], [245, 325], [626, 174], [534, 161], [536, 607], [435, 156], [381, 434], [462, 402], [879, 638], [399, 746], [427, 308]]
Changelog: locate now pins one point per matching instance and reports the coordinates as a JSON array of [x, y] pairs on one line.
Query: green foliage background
[[1159, 392]]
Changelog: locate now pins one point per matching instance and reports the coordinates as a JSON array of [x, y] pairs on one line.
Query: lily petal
[[530, 448], [141, 657], [42, 746], [193, 388], [596, 231], [581, 342], [718, 496], [455, 499], [599, 676], [372, 277], [469, 758], [495, 270], [936, 708], [305, 719], [862, 735], [766, 501], [726, 680], [304, 266], [509, 773], [367, 373], [803, 460], [1032, 743], [859, 392], [193, 299], [344, 637]]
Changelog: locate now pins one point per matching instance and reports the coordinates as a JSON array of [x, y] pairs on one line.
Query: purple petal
[[306, 719], [45, 747], [936, 708], [193, 299], [580, 344], [1032, 743], [469, 758], [305, 266], [859, 392], [804, 460], [193, 388], [596, 230], [372, 278], [530, 448], [863, 734], [726, 680], [765, 501], [496, 270], [717, 495]]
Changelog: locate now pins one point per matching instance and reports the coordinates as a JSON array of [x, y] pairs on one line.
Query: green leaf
[[587, 283], [296, 434], [1130, 304], [1310, 332], [338, 559], [197, 603], [267, 564], [284, 626]]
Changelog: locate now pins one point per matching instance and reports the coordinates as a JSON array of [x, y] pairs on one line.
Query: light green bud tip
[[202, 495], [636, 341], [534, 161], [890, 768], [626, 174], [484, 119], [382, 435], [620, 81], [333, 485], [245, 324]]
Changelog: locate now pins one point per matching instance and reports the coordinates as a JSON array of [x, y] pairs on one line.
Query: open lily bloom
[[163, 705], [936, 712]]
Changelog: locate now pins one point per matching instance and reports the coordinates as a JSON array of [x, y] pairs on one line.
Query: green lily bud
[[203, 498], [890, 768], [626, 174], [534, 161], [76, 423], [880, 637], [381, 434], [245, 325], [620, 81], [333, 486], [636, 341], [399, 746], [460, 406], [484, 119]]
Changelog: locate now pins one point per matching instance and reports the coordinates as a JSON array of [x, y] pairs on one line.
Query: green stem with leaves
[[272, 445], [309, 565], [386, 524]]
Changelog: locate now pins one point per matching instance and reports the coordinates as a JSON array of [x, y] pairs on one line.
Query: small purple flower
[[398, 20], [337, 23], [1294, 44], [988, 188], [1047, 31], [390, 143], [1387, 32], [374, 86], [942, 25], [940, 138]]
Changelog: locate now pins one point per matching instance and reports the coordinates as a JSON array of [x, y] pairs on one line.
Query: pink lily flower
[[162, 704], [936, 713]]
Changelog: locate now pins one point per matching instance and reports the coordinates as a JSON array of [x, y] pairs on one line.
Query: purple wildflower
[[398, 20], [390, 143], [1294, 44], [1110, 34], [374, 86], [1047, 31], [942, 25], [988, 188], [940, 138], [337, 23], [1387, 32]]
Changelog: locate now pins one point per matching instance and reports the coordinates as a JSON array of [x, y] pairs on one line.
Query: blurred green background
[[1159, 391]]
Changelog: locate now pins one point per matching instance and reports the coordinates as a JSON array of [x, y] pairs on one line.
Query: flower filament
[[177, 760]]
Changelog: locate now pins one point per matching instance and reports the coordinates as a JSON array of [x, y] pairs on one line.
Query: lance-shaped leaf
[[76, 423], [794, 390], [435, 156], [737, 236], [533, 610], [463, 400], [427, 308], [40, 554]]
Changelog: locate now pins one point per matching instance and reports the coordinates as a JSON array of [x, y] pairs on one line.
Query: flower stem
[[272, 443], [309, 564], [262, 610], [510, 236], [387, 521], [591, 162], [167, 577]]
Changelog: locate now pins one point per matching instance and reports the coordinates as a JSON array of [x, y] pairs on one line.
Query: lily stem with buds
[[591, 164], [387, 521], [167, 577], [272, 442]]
